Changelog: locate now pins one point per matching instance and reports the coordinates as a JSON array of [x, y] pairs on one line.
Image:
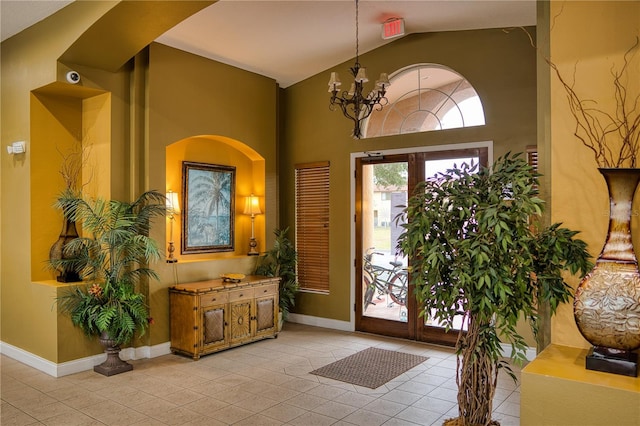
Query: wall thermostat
[[73, 77]]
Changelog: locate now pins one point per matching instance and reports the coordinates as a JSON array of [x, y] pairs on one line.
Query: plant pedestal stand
[[113, 365]]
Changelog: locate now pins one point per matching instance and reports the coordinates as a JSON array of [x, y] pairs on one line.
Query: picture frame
[[209, 207]]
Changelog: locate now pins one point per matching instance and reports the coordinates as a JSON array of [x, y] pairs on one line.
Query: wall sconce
[[173, 209], [252, 207], [17, 148]]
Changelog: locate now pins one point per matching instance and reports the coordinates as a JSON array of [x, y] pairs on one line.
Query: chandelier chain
[[357, 104], [357, 35]]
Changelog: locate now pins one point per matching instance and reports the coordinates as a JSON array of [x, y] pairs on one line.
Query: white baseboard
[[321, 322], [347, 326], [530, 352], [82, 364], [143, 352]]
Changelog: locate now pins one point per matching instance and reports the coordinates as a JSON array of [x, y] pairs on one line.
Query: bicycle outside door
[[385, 301]]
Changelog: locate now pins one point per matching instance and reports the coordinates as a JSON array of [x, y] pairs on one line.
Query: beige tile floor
[[263, 383]]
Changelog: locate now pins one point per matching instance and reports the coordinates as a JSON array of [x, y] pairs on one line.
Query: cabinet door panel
[[265, 319], [213, 326], [240, 321]]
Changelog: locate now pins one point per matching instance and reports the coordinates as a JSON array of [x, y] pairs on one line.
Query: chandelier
[[354, 105]]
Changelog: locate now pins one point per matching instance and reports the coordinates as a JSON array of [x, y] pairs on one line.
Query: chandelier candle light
[[252, 207], [173, 209], [354, 105]]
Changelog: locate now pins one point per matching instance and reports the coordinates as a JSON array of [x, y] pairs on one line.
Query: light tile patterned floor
[[263, 383]]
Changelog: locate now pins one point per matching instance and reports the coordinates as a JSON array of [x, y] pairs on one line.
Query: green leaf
[[471, 244]]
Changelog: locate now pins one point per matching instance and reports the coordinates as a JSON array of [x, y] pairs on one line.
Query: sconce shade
[[252, 205], [173, 205]]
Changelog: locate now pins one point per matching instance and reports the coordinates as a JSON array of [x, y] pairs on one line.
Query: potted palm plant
[[280, 261], [113, 257], [476, 249]]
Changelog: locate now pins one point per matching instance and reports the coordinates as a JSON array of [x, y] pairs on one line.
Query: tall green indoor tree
[[476, 248]]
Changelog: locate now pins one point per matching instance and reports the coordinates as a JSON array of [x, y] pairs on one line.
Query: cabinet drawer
[[213, 299], [266, 290], [245, 293]]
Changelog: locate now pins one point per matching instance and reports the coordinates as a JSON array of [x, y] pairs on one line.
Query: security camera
[[73, 77]]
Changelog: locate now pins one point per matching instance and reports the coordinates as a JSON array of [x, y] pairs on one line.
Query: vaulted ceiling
[[290, 40]]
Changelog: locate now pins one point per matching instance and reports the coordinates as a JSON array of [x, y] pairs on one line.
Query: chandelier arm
[[344, 106], [347, 114], [366, 111]]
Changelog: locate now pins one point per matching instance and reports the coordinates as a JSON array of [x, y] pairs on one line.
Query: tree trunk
[[477, 376]]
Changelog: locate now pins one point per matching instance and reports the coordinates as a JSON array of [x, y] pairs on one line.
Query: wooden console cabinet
[[209, 316]]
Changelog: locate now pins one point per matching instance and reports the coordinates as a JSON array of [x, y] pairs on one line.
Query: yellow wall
[[499, 64], [590, 38], [28, 61], [131, 116]]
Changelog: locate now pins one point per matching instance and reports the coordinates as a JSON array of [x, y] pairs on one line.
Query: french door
[[385, 298]]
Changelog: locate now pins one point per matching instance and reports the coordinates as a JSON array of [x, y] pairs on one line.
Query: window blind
[[312, 225], [532, 157]]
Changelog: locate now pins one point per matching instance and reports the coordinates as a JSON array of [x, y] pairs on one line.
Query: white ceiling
[[291, 40]]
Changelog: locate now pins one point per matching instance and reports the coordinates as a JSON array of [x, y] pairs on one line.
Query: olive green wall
[[163, 96], [501, 66], [207, 102]]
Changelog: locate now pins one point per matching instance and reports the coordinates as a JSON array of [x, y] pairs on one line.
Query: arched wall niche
[[250, 179]]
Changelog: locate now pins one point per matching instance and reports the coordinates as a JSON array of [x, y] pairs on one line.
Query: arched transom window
[[426, 97]]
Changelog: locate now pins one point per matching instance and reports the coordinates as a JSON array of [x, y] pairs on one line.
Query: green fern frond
[[115, 253]]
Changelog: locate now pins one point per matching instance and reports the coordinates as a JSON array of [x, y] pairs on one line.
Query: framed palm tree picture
[[209, 194]]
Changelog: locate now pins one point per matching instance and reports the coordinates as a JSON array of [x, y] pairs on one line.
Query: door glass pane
[[384, 275], [432, 167]]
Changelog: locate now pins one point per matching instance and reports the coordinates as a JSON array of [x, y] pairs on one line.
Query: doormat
[[371, 368]]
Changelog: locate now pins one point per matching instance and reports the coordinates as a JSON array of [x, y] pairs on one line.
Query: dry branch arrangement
[[71, 166], [613, 137]]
